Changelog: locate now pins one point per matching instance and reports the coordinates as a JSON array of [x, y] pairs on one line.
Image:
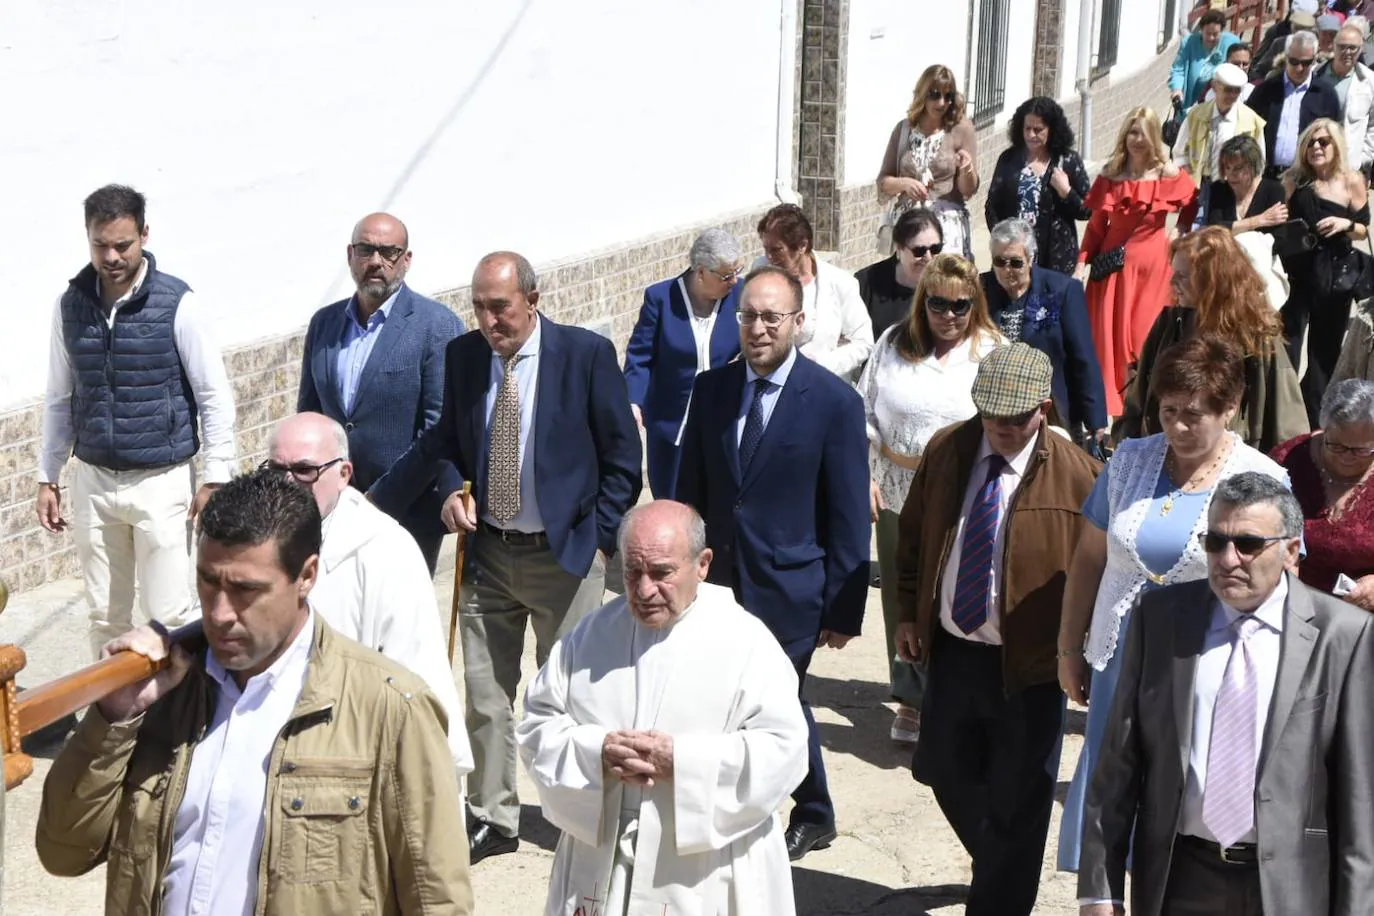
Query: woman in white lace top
[[916, 382], [1146, 512]]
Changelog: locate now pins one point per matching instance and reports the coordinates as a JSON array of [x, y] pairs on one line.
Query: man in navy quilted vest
[[135, 384]]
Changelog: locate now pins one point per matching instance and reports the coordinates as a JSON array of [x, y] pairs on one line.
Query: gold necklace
[[1198, 477]]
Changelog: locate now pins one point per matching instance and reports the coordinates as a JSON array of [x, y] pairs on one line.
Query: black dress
[[1056, 221], [1311, 305], [888, 301], [1221, 207]]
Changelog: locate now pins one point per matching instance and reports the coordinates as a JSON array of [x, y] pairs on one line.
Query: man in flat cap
[[1209, 125], [983, 552]]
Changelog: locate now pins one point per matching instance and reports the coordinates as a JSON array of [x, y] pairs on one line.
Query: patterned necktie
[[503, 451], [1228, 800], [975, 553], [753, 424]]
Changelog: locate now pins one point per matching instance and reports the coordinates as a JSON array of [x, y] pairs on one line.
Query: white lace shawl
[[1135, 468]]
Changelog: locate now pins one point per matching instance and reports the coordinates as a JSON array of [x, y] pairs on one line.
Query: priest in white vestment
[[663, 734]]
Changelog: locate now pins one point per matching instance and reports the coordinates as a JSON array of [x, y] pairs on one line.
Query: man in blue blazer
[[374, 363], [1047, 310], [666, 349], [775, 458], [537, 419], [1319, 100]]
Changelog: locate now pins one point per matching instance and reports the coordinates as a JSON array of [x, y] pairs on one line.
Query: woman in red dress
[[1125, 251]]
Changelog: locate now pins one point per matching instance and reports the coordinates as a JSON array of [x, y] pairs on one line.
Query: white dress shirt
[[200, 358], [526, 371], [1013, 472], [1265, 645], [217, 835], [778, 377], [702, 329]]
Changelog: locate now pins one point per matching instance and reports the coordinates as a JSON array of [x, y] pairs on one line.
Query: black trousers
[[992, 761], [1324, 319], [1200, 884]]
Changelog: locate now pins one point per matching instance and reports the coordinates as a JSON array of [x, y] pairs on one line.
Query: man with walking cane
[[537, 418]]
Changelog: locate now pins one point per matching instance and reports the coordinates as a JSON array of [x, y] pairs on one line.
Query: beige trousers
[[132, 539]]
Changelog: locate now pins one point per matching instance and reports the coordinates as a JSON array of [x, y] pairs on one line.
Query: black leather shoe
[[485, 840], [802, 838]]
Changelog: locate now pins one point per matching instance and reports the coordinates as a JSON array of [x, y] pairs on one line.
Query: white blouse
[[905, 403]]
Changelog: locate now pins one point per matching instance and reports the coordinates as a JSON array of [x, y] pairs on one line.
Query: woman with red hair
[[1219, 295]]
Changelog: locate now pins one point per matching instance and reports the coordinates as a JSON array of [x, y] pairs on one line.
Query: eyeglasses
[[1349, 49], [935, 95], [730, 277], [1337, 448], [956, 307], [747, 317], [390, 253], [1321, 142], [1301, 63], [1247, 545], [920, 251], [1020, 419], [1013, 263], [302, 471]]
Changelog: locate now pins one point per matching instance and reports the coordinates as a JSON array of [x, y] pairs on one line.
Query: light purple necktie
[[1228, 800]]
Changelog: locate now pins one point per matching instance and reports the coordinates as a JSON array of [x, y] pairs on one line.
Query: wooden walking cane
[[459, 556]]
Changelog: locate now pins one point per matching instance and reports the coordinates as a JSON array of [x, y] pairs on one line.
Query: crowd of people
[[1129, 472]]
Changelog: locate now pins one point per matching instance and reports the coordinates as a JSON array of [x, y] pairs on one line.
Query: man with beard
[[132, 365], [374, 363]]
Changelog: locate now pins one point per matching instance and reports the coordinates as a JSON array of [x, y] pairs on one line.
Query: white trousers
[[132, 537]]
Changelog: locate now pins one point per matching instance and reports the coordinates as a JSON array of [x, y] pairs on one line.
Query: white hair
[[1359, 24], [1010, 232], [714, 249], [1300, 39], [1348, 403], [340, 436]]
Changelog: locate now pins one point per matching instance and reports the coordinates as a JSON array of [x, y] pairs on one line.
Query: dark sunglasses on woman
[[956, 307]]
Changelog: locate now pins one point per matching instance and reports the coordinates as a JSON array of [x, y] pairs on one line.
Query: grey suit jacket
[[1314, 793]]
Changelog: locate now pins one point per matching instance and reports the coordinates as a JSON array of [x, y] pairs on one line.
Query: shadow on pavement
[[824, 894], [866, 735]]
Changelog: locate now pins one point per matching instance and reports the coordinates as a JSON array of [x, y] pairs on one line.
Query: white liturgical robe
[[708, 840]]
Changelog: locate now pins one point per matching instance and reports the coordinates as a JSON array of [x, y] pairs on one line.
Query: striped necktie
[[1228, 800], [972, 587]]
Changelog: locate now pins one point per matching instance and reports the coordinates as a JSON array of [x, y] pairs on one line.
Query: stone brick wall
[[602, 290]]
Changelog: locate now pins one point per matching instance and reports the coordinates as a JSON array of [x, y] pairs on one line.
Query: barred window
[[987, 87]]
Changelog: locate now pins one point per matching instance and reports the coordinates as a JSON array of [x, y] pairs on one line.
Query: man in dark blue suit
[[536, 417], [374, 363], [1291, 100], [1047, 310], [775, 458]]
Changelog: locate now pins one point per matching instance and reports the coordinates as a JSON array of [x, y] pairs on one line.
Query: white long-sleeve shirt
[[200, 358]]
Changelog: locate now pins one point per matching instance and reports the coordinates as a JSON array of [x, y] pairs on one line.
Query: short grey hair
[[714, 249], [1300, 39], [1359, 23], [696, 530], [335, 428], [1348, 403], [1251, 488], [1013, 231], [525, 277]]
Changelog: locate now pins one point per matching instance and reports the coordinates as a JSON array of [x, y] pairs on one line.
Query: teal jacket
[[1193, 67]]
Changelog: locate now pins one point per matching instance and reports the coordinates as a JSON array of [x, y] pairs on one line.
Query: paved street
[[895, 855]]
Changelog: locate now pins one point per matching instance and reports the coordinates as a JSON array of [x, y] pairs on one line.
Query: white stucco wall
[[1141, 21], [890, 43], [261, 131]]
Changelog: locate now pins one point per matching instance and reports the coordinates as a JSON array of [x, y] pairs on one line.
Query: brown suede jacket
[[1042, 534]]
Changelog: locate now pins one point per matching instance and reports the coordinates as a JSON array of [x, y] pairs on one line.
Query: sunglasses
[[1301, 63], [1247, 545], [956, 307], [1013, 263], [936, 95], [920, 251], [302, 471], [390, 253], [1321, 142]]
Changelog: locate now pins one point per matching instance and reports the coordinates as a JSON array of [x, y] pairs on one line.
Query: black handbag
[[1344, 273], [1173, 125], [1107, 263]]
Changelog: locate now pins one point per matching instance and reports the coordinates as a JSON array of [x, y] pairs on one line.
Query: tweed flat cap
[[1012, 380]]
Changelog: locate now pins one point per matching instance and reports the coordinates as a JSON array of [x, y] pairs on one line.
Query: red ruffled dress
[[1122, 307], [1343, 545]]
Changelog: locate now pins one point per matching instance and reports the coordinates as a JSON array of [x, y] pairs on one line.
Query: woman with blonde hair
[[1218, 294], [1325, 272], [918, 381], [931, 160], [1124, 257]]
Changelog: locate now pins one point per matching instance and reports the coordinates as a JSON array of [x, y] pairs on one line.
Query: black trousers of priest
[[992, 761]]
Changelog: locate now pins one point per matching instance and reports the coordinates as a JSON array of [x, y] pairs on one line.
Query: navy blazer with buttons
[[399, 394], [790, 533], [1320, 101], [661, 363], [1056, 323], [587, 455]]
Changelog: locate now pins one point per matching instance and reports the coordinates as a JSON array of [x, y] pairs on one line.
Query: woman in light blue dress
[[1147, 510]]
